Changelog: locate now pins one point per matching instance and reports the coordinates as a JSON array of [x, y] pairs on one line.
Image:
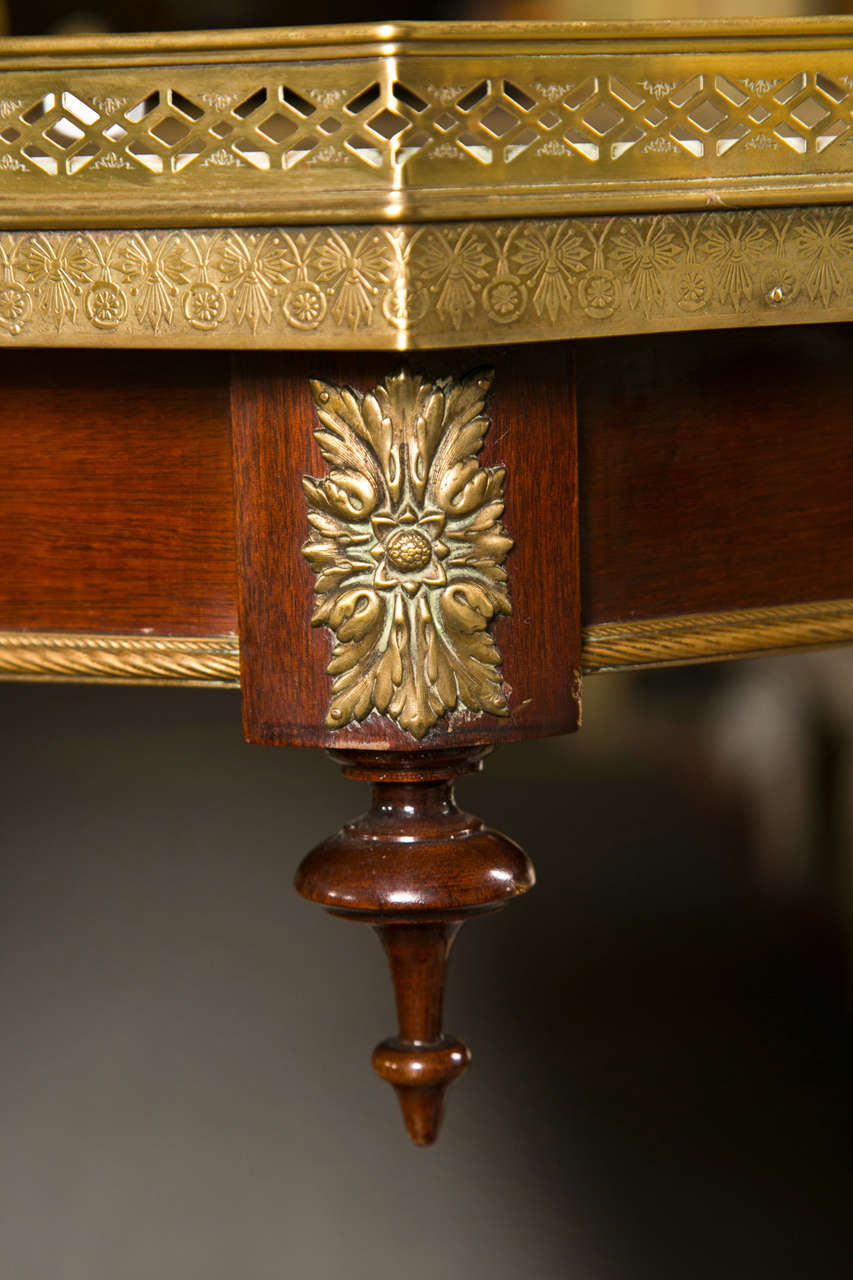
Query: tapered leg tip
[[421, 1075], [423, 1111]]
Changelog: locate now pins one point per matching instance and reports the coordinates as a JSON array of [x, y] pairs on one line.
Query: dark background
[[661, 1084], [34, 17]]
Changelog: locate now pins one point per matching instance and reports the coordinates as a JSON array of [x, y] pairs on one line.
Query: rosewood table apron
[[403, 374]]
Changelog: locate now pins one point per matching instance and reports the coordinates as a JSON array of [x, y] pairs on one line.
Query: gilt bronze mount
[[408, 548]]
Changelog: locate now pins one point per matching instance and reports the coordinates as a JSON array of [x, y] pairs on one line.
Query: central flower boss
[[408, 550]]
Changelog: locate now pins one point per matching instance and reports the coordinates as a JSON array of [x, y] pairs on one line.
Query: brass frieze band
[[418, 122], [417, 287], [608, 646]]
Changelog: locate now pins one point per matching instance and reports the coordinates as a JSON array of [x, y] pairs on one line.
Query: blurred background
[[35, 17], [662, 1046], [661, 1031]]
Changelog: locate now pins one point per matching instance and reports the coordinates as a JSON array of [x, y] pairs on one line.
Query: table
[[525, 382]]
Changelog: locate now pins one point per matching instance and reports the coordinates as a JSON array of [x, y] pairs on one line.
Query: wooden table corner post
[[407, 546]]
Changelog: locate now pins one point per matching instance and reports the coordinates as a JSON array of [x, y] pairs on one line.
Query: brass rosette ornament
[[408, 548]]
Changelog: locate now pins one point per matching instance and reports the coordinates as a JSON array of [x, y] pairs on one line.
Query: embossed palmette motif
[[155, 269], [826, 247], [58, 272], [733, 247], [408, 549], [645, 253], [355, 265], [253, 266], [550, 255], [454, 268]]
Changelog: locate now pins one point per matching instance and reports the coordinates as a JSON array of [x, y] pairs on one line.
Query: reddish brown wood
[[415, 867], [285, 684], [420, 1061], [715, 469], [116, 500]]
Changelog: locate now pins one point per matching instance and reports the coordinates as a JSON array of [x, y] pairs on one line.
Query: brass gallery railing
[[395, 122]]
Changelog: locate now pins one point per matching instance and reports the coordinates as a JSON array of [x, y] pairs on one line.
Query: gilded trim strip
[[705, 637], [417, 287], [136, 659], [608, 646], [410, 121]]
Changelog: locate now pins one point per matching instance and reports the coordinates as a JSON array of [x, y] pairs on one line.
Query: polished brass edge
[[693, 33], [575, 119], [418, 287], [135, 659], [706, 637]]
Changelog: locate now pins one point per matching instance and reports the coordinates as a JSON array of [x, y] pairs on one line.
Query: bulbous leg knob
[[415, 867]]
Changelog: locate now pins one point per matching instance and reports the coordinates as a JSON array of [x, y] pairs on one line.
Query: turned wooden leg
[[415, 867], [408, 577]]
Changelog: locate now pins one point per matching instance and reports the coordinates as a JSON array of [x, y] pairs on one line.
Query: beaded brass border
[[608, 646], [417, 287]]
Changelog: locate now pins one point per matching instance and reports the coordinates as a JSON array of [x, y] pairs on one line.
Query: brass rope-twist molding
[[132, 659], [420, 122], [703, 637], [607, 646]]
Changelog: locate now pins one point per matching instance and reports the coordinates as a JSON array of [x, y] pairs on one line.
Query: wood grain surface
[[716, 470], [286, 688], [715, 474], [116, 503]]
